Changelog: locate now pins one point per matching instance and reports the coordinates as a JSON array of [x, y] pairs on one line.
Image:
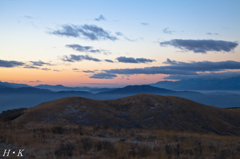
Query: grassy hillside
[[138, 111]]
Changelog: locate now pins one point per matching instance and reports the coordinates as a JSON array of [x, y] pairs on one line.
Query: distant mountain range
[[12, 85], [56, 88], [139, 111], [232, 83], [29, 96]]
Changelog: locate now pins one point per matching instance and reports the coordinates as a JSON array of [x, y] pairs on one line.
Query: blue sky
[[131, 34]]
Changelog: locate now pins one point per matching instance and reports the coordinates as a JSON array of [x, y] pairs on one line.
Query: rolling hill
[[139, 111]]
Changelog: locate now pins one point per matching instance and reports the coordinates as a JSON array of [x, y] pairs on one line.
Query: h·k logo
[[7, 153]]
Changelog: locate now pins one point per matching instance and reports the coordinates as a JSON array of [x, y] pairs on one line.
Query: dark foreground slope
[[138, 111]]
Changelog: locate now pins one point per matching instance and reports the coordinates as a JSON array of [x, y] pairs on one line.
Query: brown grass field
[[74, 141]]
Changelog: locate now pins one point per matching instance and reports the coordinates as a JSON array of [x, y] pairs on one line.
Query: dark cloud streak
[[180, 68], [201, 46], [39, 63], [103, 76], [124, 59], [74, 58], [5, 63], [81, 48], [107, 60]]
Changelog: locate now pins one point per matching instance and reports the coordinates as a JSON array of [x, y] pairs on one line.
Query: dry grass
[[74, 141]]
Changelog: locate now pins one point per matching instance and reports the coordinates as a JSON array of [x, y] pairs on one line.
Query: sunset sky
[[107, 43]]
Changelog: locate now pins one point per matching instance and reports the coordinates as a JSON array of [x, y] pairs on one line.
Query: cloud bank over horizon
[[180, 69]]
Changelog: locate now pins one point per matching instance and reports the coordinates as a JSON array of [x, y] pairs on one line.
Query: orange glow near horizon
[[71, 78]]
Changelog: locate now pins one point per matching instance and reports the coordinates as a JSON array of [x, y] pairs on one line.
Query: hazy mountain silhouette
[[29, 96], [13, 85], [62, 88], [137, 89], [139, 111]]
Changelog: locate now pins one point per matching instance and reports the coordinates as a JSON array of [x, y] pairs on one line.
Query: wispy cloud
[[81, 48], [46, 69], [103, 76], [88, 71], [121, 34], [31, 67], [39, 63], [201, 46], [5, 63], [76, 70], [74, 58], [143, 23], [133, 60], [107, 60], [35, 81], [168, 31], [28, 17], [212, 33], [101, 17], [91, 32]]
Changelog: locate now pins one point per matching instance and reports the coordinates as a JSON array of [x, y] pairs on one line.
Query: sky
[[103, 43]]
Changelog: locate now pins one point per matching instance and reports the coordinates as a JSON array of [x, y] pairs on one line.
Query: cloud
[[180, 68], [81, 48], [212, 33], [133, 60], [167, 31], [76, 70], [144, 23], [170, 61], [74, 58], [91, 32], [203, 66], [201, 46], [88, 71], [31, 67], [5, 63], [45, 69], [39, 63], [107, 60], [149, 70], [35, 81], [103, 76], [28, 17], [101, 17], [56, 70], [121, 34], [211, 75]]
